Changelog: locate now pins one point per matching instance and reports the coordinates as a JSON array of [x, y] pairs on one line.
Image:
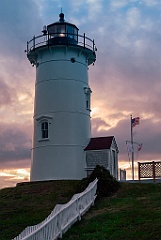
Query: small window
[[87, 91], [44, 129], [43, 124], [87, 104]]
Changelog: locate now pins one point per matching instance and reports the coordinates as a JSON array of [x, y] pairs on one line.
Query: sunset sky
[[125, 80]]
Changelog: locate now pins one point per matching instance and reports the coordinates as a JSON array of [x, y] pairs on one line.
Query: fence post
[[60, 225], [153, 171], [78, 208], [139, 171]]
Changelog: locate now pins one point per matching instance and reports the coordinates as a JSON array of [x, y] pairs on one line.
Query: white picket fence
[[62, 217]]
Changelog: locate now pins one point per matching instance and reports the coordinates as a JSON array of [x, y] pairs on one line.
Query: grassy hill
[[134, 212], [29, 204]]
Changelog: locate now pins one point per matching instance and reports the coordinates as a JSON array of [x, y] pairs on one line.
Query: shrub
[[107, 184]]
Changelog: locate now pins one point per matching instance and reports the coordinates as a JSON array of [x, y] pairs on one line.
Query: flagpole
[[132, 154]]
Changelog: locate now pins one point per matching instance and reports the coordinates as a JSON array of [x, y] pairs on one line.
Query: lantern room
[[62, 32]]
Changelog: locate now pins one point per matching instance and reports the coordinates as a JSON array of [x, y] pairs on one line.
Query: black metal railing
[[60, 39]]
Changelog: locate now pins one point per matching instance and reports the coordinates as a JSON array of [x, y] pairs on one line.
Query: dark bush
[[107, 184]]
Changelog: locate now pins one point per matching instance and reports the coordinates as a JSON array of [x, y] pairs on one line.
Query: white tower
[[62, 101]]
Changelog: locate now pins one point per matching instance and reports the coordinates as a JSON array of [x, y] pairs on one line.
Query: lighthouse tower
[[62, 101]]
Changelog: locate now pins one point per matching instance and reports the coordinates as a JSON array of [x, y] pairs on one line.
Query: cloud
[[128, 72], [18, 21], [148, 133], [115, 5], [6, 94], [6, 182], [94, 8], [151, 3], [9, 178], [15, 143], [98, 125]]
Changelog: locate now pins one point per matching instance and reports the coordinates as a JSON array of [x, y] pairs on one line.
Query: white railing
[[62, 217]]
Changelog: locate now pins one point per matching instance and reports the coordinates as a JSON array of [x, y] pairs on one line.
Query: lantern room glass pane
[[57, 30], [72, 32]]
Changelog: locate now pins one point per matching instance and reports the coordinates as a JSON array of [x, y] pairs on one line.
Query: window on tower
[[87, 104], [44, 123], [44, 129], [87, 91]]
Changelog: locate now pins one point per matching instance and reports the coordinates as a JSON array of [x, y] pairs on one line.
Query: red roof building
[[102, 151]]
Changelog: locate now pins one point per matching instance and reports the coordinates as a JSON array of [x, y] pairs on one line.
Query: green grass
[[134, 212], [29, 204]]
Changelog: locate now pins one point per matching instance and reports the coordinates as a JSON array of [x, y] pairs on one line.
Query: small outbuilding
[[102, 151]]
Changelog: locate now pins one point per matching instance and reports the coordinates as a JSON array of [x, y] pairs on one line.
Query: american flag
[[135, 121]]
